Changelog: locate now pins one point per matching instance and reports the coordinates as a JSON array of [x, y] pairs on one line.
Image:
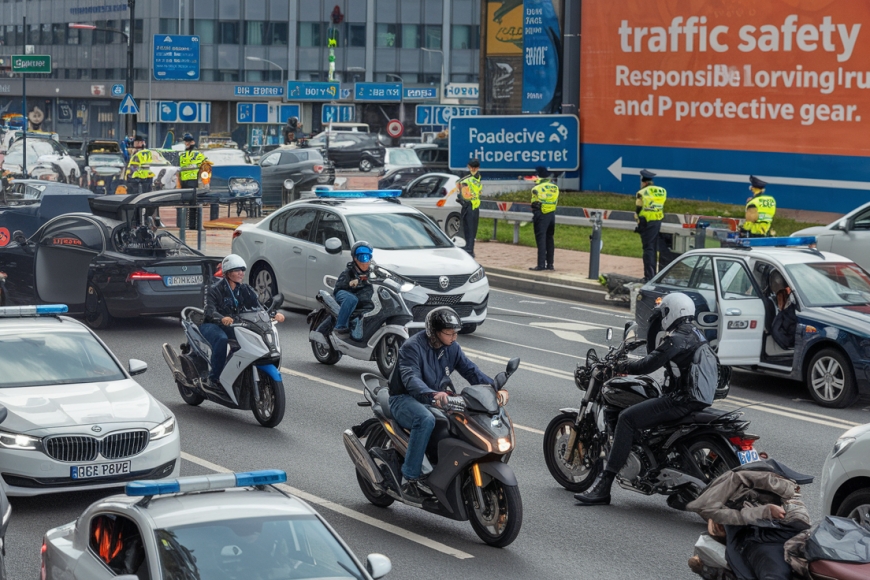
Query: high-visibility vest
[[190, 162], [652, 202], [766, 207], [140, 165], [470, 188], [547, 194]]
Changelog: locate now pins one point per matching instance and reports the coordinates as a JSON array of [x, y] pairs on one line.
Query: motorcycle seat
[[703, 416], [382, 397]]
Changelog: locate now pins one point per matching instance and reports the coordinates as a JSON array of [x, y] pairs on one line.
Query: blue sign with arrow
[[440, 115], [176, 57], [378, 92], [420, 93], [338, 114], [128, 106], [312, 91]]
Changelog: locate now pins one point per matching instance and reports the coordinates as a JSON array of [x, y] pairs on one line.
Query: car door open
[[741, 314]]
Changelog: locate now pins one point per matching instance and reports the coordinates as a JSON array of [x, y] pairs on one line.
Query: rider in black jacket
[[352, 288], [675, 354]]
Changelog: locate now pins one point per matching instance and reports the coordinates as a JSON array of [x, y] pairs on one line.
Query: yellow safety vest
[[651, 200], [547, 194], [766, 207], [471, 191], [140, 165], [190, 162]]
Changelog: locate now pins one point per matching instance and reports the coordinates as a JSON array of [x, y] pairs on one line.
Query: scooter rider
[[227, 298], [353, 287], [675, 354], [425, 361]]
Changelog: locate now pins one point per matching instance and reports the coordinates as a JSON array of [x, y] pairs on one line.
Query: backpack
[[704, 375]]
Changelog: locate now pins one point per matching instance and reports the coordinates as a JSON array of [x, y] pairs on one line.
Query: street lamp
[[441, 52], [257, 58], [401, 103]]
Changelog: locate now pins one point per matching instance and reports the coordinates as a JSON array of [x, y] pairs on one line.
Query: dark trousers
[[192, 212], [641, 416], [545, 229], [217, 336], [470, 218], [139, 185], [649, 239]]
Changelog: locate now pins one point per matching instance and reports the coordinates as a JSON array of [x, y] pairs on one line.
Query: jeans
[[348, 301], [649, 239], [217, 336], [545, 228], [412, 414]]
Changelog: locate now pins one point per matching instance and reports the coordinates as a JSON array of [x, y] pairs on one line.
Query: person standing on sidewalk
[[545, 197], [469, 198], [760, 209], [190, 161], [139, 176], [649, 206]]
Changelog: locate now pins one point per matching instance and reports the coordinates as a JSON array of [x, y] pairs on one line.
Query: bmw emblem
[[96, 428], [444, 282]]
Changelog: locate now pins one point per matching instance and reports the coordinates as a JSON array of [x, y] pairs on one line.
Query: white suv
[[846, 476]]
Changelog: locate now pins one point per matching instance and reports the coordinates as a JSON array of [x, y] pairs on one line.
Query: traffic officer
[[469, 198], [545, 196], [760, 209], [649, 206], [190, 161], [139, 176]]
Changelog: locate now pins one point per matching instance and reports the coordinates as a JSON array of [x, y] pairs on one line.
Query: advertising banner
[[542, 65], [504, 29], [705, 93]]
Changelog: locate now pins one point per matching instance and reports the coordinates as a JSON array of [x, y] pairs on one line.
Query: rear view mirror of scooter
[[274, 304], [609, 335], [502, 378]]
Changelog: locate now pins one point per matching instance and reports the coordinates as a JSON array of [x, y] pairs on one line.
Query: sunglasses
[[364, 258]]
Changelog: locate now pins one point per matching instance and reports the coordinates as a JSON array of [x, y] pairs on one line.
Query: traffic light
[[337, 16]]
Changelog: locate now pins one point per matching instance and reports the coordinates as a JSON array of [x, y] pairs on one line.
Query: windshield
[[398, 231], [102, 159], [57, 358], [403, 157], [228, 157], [254, 549], [831, 284], [35, 148]]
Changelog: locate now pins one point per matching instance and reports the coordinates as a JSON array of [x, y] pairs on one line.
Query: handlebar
[[456, 403]]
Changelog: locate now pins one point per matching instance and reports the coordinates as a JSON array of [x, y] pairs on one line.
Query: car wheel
[[857, 507], [365, 164], [830, 379], [97, 314], [452, 225], [263, 281], [468, 329]]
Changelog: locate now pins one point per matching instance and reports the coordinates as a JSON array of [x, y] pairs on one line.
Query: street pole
[[131, 4], [24, 103]]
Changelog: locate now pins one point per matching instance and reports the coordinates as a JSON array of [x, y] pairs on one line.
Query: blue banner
[[542, 64], [176, 57], [378, 92], [258, 91], [312, 91]]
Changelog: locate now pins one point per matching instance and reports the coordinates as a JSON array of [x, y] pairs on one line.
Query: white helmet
[[232, 262], [675, 306]]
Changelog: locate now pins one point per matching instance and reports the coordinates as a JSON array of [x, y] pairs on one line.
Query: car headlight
[[841, 445], [241, 186], [19, 441], [164, 429], [477, 276]]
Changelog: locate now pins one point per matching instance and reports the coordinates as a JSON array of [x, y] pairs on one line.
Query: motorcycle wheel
[[189, 396], [388, 353], [498, 521], [574, 476], [325, 354], [375, 437], [269, 410], [711, 457]]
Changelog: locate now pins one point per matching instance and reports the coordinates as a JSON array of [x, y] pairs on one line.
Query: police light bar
[[42, 310], [344, 194], [776, 242], [205, 482]]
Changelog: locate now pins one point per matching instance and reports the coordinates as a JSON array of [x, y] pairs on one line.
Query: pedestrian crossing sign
[[128, 106]]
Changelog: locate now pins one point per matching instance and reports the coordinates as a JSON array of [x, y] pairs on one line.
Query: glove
[[536, 206], [621, 367]]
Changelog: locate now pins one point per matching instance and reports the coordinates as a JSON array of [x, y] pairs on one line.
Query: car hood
[[37, 408], [813, 231], [411, 263], [852, 318]]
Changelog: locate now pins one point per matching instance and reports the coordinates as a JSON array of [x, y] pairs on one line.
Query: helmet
[[442, 318], [232, 262], [139, 138], [675, 307], [776, 282], [293, 121], [188, 137], [362, 251]]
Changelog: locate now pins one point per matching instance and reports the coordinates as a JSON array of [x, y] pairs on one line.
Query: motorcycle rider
[[425, 363], [353, 287], [675, 354], [226, 299]]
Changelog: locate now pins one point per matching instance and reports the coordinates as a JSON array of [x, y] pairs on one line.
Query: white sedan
[[846, 476], [848, 236], [435, 194], [76, 418]]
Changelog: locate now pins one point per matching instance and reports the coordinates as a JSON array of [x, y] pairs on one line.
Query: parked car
[[348, 149], [400, 157], [305, 167], [846, 477], [40, 149], [434, 157], [848, 236], [731, 288], [435, 194], [233, 175], [400, 177], [29, 203]]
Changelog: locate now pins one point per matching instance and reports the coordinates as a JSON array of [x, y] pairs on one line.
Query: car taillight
[[744, 442], [237, 233], [143, 275], [318, 168]]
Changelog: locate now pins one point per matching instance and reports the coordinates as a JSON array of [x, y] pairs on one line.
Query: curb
[[543, 286]]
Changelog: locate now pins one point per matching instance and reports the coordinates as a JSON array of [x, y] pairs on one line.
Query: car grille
[[73, 448], [434, 282], [420, 312], [443, 299]]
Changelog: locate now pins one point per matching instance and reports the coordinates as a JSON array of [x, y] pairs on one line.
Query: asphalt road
[[636, 537]]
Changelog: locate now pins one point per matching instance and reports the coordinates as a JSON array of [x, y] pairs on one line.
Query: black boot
[[411, 492], [599, 493]]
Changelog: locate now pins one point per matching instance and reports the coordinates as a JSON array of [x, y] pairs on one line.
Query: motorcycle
[[677, 459], [467, 475], [382, 328], [250, 380]]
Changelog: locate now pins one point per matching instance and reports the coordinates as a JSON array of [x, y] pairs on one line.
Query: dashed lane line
[[600, 310]]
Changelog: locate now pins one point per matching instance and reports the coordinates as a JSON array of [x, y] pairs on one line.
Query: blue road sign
[[417, 94], [176, 57], [338, 114], [516, 142], [182, 112], [265, 113], [128, 106], [117, 90], [311, 91], [346, 94], [258, 91], [441, 114], [377, 92]]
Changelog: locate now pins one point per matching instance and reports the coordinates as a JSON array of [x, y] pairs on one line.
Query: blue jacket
[[421, 368]]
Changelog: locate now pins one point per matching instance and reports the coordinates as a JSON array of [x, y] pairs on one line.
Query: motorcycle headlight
[[19, 441], [241, 186], [406, 287], [164, 429], [504, 444], [477, 276], [841, 445]]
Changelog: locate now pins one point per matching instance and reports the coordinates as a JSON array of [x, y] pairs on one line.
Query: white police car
[[218, 527], [76, 419]]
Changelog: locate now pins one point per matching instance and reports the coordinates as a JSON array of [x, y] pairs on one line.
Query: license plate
[[182, 280], [747, 456], [99, 470]]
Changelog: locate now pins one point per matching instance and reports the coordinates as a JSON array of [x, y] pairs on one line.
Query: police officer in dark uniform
[[650, 205]]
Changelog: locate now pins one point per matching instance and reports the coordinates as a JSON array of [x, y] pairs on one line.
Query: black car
[[351, 149], [112, 263], [29, 203], [435, 158], [305, 167]]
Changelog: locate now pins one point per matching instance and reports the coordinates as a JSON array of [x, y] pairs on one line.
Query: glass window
[[465, 37], [334, 32], [209, 75], [46, 34], [299, 223], [309, 34], [288, 158], [278, 33], [73, 36], [58, 33], [331, 226], [356, 34], [862, 221], [410, 36], [702, 276], [169, 26], [256, 33], [831, 284], [99, 36], [228, 33], [679, 273], [205, 29], [426, 187], [385, 36], [270, 159], [734, 280], [433, 37], [228, 75], [116, 541], [253, 76], [397, 231], [34, 36]]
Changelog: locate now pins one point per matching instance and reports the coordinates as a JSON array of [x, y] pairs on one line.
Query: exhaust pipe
[[174, 364], [361, 458]]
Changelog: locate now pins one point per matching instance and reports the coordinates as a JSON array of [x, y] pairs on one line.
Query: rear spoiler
[[119, 207]]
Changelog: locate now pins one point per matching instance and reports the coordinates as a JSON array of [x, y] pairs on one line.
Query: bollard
[[701, 234], [214, 211], [595, 245], [200, 231], [181, 220], [494, 230], [516, 232]]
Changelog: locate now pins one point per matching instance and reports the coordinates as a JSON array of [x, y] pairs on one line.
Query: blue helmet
[[362, 251]]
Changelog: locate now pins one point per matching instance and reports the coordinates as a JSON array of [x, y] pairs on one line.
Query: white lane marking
[[476, 336], [531, 302], [599, 312], [526, 366], [799, 411], [542, 327], [600, 309], [345, 511]]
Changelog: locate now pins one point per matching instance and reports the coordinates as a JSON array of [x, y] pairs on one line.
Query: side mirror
[[458, 242], [333, 246], [378, 565], [512, 366], [275, 303], [136, 366], [609, 335]]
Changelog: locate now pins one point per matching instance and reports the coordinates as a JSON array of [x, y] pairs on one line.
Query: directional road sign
[[258, 91], [176, 57], [377, 92], [265, 113], [338, 114], [419, 94], [31, 63], [128, 106], [181, 112], [311, 91], [516, 142], [441, 114], [118, 90]]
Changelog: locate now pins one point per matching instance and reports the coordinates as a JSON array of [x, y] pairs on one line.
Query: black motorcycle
[[466, 459], [677, 459]]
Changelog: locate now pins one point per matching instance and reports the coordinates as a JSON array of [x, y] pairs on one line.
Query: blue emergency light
[[362, 194], [205, 482], [41, 310], [776, 242]]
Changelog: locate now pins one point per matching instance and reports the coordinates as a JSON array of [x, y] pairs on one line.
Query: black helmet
[[443, 318], [188, 137]]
